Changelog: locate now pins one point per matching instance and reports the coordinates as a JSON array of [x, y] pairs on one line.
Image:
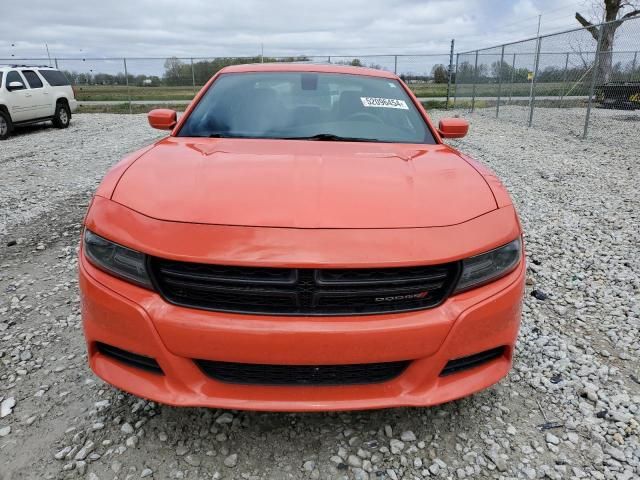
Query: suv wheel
[[5, 126], [62, 117]]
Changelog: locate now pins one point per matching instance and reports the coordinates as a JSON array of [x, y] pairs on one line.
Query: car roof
[[307, 67], [18, 67]]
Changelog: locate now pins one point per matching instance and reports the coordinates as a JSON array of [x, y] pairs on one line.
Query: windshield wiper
[[330, 137], [227, 135]]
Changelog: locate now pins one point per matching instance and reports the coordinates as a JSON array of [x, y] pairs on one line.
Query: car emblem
[[410, 296]]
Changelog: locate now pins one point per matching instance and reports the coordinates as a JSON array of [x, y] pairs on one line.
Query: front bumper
[[131, 318], [134, 319]]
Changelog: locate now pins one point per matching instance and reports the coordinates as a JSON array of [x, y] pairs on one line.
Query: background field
[[426, 90]]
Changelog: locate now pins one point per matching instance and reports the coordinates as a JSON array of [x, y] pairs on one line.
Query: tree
[[501, 70], [173, 71], [612, 10], [439, 73], [466, 72]]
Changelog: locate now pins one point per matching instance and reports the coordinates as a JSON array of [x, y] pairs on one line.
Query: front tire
[[62, 116], [6, 125]]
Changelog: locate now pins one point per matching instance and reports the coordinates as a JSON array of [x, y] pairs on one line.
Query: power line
[[543, 13]]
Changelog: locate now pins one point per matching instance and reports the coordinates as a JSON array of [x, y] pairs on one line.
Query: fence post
[[126, 79], [633, 64], [193, 78], [455, 84], [395, 64], [513, 71], [450, 73], [564, 76], [532, 93], [499, 82], [475, 79], [592, 87], [329, 59]]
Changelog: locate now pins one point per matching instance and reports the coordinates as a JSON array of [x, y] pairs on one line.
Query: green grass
[[120, 92], [124, 108], [164, 94], [426, 90], [520, 89]]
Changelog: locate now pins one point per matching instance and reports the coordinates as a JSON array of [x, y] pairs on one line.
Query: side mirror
[[15, 86], [453, 127], [163, 118]]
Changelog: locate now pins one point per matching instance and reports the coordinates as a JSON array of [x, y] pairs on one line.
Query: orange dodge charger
[[302, 240]]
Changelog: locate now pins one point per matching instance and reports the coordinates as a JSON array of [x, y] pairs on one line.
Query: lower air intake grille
[[302, 291], [133, 359], [259, 374], [465, 363]]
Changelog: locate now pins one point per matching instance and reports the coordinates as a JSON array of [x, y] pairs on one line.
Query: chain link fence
[[577, 80], [581, 80], [123, 83]]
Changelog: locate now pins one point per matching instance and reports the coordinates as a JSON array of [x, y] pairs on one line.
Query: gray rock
[[60, 455], [6, 407], [224, 418], [132, 441], [181, 450], [396, 446], [552, 439], [192, 460], [616, 453], [85, 450], [126, 428], [231, 461], [81, 467], [498, 459], [408, 436]]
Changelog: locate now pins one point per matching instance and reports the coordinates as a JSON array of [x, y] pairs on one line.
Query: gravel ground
[[569, 409]]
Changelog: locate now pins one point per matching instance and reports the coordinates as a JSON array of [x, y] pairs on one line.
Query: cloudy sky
[[205, 28]]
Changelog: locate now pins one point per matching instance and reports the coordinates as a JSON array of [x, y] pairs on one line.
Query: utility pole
[[533, 79], [48, 54], [261, 52], [451, 73]]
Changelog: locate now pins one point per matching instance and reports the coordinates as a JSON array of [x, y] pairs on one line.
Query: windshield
[[307, 105]]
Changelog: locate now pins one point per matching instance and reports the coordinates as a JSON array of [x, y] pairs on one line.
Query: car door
[[20, 101], [40, 96]]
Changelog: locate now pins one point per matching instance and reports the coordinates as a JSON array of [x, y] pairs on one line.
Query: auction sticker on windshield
[[384, 102]]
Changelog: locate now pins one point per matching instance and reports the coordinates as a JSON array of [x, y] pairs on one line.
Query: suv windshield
[[307, 105]]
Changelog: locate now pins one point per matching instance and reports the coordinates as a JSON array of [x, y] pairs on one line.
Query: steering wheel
[[364, 116]]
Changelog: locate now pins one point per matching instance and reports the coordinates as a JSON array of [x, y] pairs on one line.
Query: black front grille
[[139, 361], [477, 359], [321, 375], [302, 291]]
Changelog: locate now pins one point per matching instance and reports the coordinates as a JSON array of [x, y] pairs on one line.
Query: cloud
[[207, 28]]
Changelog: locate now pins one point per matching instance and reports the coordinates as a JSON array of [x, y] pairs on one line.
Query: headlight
[[489, 266], [116, 259]]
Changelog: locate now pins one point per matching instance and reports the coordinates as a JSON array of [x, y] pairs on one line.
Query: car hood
[[304, 184]]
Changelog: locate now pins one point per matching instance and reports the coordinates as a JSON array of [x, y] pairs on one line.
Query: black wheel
[[6, 126], [62, 117]]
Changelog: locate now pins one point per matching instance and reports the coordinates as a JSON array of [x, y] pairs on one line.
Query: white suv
[[32, 95]]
